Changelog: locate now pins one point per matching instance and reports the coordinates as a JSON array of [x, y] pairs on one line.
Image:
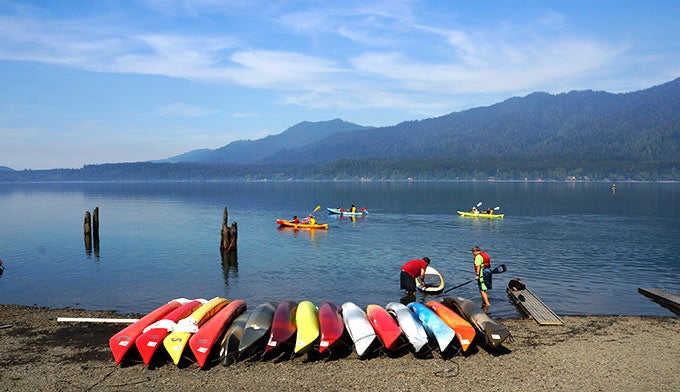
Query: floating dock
[[533, 307], [668, 300]]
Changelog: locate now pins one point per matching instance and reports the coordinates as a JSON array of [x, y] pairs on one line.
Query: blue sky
[[123, 81]]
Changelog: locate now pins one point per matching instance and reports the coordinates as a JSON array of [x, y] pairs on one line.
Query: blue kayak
[[341, 211], [434, 325]]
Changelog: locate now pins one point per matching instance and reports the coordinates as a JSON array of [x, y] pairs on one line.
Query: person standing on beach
[[483, 274], [410, 271]]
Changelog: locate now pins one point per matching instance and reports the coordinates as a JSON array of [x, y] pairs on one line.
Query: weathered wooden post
[[95, 224], [87, 229], [228, 243]]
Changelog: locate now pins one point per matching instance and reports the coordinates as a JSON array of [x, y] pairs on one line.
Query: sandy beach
[[588, 353]]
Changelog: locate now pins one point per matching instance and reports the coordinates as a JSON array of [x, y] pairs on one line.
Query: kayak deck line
[[668, 300], [533, 307]]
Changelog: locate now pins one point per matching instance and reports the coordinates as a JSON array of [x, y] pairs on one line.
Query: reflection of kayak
[[339, 211], [468, 214], [287, 223], [434, 282]]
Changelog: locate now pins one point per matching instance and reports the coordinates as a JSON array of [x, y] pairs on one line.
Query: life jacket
[[487, 259]]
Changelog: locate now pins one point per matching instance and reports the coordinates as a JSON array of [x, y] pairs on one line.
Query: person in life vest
[[483, 274], [353, 209]]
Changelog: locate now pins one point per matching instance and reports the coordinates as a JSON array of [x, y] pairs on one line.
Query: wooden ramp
[[533, 307], [668, 300]]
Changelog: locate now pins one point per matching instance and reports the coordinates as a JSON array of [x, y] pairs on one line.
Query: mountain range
[[574, 135], [640, 126]]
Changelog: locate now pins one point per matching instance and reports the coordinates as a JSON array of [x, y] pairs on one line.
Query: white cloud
[[179, 109]]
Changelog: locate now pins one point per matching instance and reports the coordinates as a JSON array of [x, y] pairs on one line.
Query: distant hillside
[[250, 151], [5, 168], [642, 126]]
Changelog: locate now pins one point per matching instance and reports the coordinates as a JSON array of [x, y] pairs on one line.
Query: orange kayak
[[287, 223], [465, 332]]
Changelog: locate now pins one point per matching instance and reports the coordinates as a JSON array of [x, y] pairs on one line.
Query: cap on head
[[426, 259]]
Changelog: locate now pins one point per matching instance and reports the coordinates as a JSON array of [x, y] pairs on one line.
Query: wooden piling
[[87, 231], [95, 225], [228, 243]]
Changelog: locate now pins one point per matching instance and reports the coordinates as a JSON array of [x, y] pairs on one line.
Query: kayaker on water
[[310, 219], [474, 210], [483, 274], [353, 209], [295, 219], [410, 271], [489, 211]]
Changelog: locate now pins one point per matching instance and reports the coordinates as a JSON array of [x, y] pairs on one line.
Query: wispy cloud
[[179, 109]]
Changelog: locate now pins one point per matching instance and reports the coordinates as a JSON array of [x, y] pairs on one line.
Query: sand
[[588, 353]]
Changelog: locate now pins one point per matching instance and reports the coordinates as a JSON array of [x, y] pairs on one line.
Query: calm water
[[581, 247]]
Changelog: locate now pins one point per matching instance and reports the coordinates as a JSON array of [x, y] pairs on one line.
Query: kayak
[[307, 321], [465, 332], [178, 339], [384, 325], [152, 337], [287, 223], [468, 214], [359, 328], [442, 333], [257, 329], [340, 211], [434, 282], [202, 342], [409, 324], [121, 342], [283, 327], [231, 340], [331, 326], [493, 332]]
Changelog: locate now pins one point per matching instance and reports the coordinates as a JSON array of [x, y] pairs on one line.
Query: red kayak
[[385, 326], [330, 324], [121, 342], [283, 326], [203, 341], [465, 332], [153, 335]]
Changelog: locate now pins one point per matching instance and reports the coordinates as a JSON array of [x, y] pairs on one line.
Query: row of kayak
[[224, 330]]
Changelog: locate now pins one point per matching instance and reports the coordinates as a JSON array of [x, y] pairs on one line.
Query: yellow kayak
[[176, 341], [468, 214], [307, 321]]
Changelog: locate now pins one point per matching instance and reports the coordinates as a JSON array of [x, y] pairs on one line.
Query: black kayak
[[493, 332]]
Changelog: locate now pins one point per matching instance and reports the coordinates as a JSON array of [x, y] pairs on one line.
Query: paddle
[[498, 270]]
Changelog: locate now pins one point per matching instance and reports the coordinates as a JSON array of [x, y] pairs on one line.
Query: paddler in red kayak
[[410, 271]]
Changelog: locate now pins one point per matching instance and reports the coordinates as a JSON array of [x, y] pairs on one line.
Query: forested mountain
[[642, 126], [576, 135], [250, 151]]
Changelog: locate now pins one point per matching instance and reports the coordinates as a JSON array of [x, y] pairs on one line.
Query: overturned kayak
[[468, 214], [434, 282], [493, 332], [287, 223]]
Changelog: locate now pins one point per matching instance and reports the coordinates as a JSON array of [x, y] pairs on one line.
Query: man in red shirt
[[410, 271]]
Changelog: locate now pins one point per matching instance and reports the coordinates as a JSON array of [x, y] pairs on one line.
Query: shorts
[[485, 282], [408, 282]]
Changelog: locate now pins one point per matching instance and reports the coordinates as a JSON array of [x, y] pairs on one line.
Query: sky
[[86, 82]]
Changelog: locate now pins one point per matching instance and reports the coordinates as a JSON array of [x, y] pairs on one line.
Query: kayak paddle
[[498, 270]]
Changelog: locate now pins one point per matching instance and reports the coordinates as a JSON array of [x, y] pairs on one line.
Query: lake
[[583, 248]]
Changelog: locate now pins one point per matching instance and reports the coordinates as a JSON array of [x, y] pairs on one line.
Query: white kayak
[[409, 324], [360, 329]]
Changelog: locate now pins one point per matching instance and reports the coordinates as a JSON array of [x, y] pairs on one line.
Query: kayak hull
[[121, 342], [231, 340], [340, 211], [465, 332], [256, 329], [287, 223], [437, 328], [434, 282], [409, 325], [202, 342], [283, 327], [467, 214], [359, 328], [384, 325], [308, 328], [494, 333], [331, 326]]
